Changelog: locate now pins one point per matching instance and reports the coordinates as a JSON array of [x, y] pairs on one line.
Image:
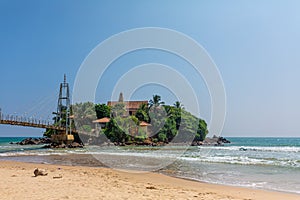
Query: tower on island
[[130, 106], [62, 115]]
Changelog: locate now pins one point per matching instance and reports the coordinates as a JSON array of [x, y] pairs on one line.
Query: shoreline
[[87, 182]]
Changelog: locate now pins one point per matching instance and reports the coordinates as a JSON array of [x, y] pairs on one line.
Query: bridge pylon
[[62, 118]]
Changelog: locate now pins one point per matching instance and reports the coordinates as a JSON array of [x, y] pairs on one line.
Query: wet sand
[[78, 182]]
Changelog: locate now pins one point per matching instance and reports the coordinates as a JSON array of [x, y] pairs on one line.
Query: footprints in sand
[[104, 184]]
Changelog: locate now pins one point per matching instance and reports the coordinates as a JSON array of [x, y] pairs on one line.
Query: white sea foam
[[244, 160], [27, 153], [255, 148]]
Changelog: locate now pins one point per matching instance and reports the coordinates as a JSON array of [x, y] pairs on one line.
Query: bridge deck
[[32, 124]]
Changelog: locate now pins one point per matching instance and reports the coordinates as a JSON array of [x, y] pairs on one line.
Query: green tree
[[162, 137], [157, 114], [178, 105], [114, 133], [156, 101], [102, 110], [84, 114], [169, 129], [187, 128], [201, 131], [142, 113]]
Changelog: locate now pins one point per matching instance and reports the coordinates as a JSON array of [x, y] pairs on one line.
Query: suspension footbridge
[[63, 131]]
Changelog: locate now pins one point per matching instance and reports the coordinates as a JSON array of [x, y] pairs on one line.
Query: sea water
[[266, 163]]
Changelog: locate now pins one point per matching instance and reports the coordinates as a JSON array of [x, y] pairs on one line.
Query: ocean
[[263, 163]]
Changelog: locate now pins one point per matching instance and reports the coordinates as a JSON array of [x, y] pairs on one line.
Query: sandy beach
[[68, 182]]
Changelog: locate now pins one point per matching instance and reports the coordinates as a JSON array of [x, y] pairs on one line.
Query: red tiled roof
[[128, 104], [102, 120], [144, 124]]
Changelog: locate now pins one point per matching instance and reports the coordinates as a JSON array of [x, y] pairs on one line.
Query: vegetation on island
[[161, 123]]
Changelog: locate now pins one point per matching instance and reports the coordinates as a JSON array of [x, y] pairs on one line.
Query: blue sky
[[255, 45]]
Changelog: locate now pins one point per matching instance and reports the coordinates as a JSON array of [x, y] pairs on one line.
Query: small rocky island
[[127, 123]]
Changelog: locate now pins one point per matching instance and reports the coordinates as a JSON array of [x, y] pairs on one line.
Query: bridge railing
[[28, 121], [16, 118]]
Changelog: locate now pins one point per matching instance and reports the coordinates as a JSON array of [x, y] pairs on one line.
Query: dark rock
[[34, 141], [56, 145], [45, 140], [148, 142], [197, 143], [129, 143], [211, 141], [160, 143], [61, 146], [215, 141], [75, 145], [243, 149], [224, 140]]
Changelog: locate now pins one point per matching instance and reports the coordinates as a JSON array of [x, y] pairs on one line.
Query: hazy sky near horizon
[[254, 43]]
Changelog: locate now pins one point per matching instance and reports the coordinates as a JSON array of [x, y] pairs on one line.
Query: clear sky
[[254, 43]]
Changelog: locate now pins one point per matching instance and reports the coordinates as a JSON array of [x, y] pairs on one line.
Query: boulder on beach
[[63, 145], [215, 141], [75, 145], [35, 141]]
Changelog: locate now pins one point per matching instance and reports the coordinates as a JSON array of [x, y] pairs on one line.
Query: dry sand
[[18, 182]]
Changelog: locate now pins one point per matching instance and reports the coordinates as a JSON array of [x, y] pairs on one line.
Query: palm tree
[[144, 107], [177, 104], [156, 101]]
